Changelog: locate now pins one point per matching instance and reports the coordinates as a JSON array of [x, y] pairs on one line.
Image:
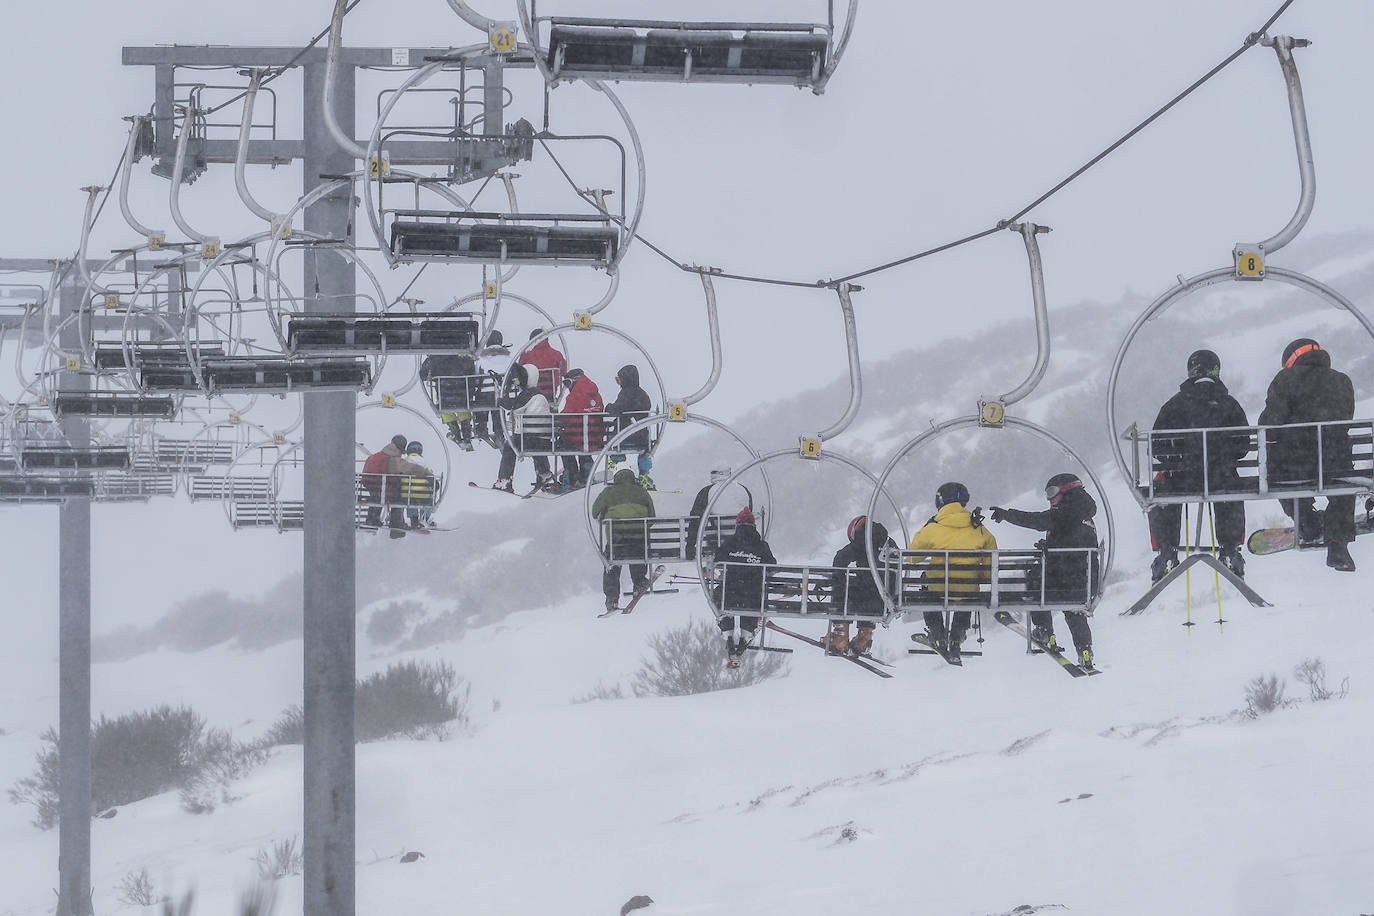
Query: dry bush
[[1263, 695], [691, 659]]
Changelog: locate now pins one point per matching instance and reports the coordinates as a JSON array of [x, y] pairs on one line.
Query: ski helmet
[[1058, 485], [415, 448], [399, 441], [1297, 349], [855, 523], [1204, 362], [952, 492]]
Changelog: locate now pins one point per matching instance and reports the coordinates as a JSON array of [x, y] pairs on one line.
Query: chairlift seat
[[500, 242], [793, 55], [362, 334], [112, 404]]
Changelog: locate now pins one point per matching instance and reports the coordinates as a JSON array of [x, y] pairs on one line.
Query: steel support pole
[[330, 587], [74, 653]]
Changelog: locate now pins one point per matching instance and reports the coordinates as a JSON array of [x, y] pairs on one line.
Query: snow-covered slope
[[1141, 791]]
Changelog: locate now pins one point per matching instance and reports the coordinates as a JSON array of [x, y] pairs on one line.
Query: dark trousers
[[541, 464], [1166, 523], [610, 580], [935, 623], [1078, 626], [1337, 522]]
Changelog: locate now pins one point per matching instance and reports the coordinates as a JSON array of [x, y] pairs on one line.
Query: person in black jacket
[[741, 585], [856, 590], [1308, 390], [631, 404], [1068, 577], [1202, 402]]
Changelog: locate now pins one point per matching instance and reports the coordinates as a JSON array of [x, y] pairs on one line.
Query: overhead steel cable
[[1250, 41]]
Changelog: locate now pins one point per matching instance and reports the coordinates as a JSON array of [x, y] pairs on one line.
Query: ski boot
[[862, 643], [1232, 559], [837, 643], [1046, 638], [1165, 561], [1085, 657], [504, 484], [1338, 558]]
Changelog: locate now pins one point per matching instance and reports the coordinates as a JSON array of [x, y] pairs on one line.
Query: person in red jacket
[[581, 428], [551, 364]]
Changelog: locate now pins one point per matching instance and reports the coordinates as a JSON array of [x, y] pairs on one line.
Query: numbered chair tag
[[992, 413], [1249, 262], [677, 412], [810, 446], [501, 37]]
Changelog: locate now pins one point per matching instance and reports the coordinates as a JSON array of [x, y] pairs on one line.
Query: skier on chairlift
[[532, 417], [624, 503], [631, 404], [727, 503], [551, 363], [856, 591], [1070, 577], [1308, 390], [953, 527], [582, 428], [1202, 402], [741, 585]]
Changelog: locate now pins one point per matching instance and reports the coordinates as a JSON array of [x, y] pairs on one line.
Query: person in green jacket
[[624, 500]]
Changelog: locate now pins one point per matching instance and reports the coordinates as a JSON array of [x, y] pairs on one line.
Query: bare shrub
[[602, 692], [691, 659], [414, 699], [137, 889], [223, 761], [1263, 695], [279, 860], [1311, 673], [133, 756]]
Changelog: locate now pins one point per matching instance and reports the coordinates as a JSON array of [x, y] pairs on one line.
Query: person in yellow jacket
[[953, 527]]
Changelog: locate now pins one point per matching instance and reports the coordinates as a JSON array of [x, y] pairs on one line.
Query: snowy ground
[[968, 791]]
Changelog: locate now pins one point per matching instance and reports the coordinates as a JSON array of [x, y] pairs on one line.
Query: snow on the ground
[[947, 791]]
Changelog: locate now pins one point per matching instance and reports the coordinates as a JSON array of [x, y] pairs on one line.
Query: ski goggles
[[1300, 351], [1053, 493]]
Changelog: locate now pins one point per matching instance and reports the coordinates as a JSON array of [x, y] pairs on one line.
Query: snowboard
[[1010, 621], [1275, 540]]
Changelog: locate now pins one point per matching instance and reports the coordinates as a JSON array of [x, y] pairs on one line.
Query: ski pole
[[1187, 573], [1216, 575]]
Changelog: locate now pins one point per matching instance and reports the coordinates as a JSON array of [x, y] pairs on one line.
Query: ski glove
[[998, 513]]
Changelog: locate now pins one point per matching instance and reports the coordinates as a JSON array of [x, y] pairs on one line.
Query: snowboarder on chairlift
[[957, 578], [453, 374], [551, 363], [495, 360], [417, 492], [1308, 390], [583, 430], [740, 587], [381, 480], [624, 504], [1068, 577], [1202, 402], [856, 591], [631, 404], [532, 417], [727, 504]]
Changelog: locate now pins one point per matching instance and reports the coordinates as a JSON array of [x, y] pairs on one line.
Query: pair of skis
[[638, 595], [867, 662]]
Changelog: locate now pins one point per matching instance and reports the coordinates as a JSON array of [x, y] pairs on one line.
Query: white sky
[[943, 118]]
